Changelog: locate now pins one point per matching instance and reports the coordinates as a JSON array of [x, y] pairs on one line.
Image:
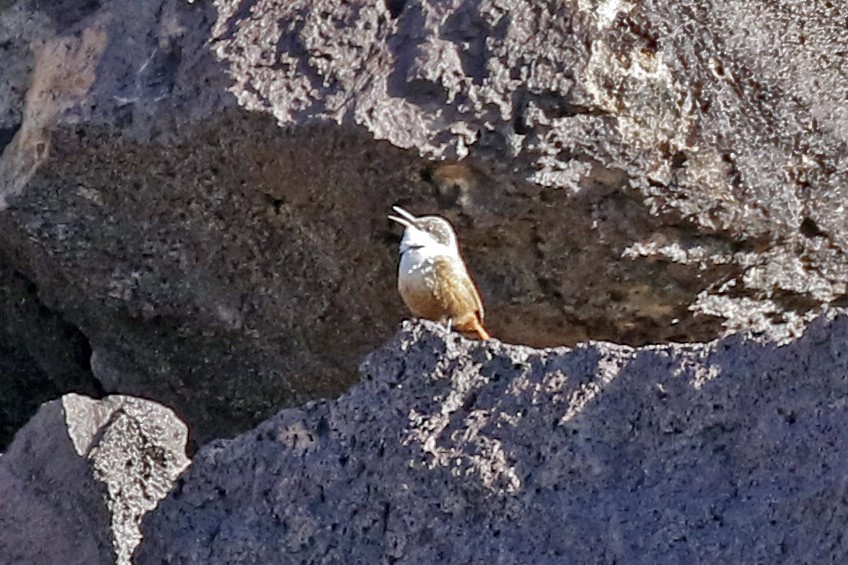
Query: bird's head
[[432, 232]]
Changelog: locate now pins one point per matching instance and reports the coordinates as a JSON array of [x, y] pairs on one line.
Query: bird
[[432, 277]]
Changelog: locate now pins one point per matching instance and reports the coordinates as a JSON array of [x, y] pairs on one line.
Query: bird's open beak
[[404, 218]]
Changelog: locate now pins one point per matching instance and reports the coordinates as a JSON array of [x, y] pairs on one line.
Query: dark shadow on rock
[[42, 356]]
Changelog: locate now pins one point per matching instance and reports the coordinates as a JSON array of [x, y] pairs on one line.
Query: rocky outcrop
[[80, 475], [458, 452], [200, 189], [192, 210]]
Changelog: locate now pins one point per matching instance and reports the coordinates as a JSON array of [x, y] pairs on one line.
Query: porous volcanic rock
[[453, 451], [200, 188], [80, 475]]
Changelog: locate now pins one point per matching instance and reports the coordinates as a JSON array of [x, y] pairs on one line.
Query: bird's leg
[[449, 324]]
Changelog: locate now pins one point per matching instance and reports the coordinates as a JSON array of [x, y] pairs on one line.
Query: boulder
[[452, 451], [77, 479]]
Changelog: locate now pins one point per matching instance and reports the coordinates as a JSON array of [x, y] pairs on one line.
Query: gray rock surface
[[201, 188], [452, 451], [80, 475], [728, 119]]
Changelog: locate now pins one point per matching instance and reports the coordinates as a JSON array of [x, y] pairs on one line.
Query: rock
[[738, 151], [80, 475], [452, 451], [201, 188]]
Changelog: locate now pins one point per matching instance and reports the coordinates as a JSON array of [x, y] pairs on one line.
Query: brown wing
[[472, 289], [459, 296]]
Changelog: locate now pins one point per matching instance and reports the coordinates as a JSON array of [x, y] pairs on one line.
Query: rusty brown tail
[[481, 331]]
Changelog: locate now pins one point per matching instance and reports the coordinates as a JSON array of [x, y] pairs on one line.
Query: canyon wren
[[432, 277]]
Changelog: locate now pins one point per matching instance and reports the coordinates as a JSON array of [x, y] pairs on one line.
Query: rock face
[[694, 110], [80, 475], [198, 190], [459, 452], [192, 210]]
